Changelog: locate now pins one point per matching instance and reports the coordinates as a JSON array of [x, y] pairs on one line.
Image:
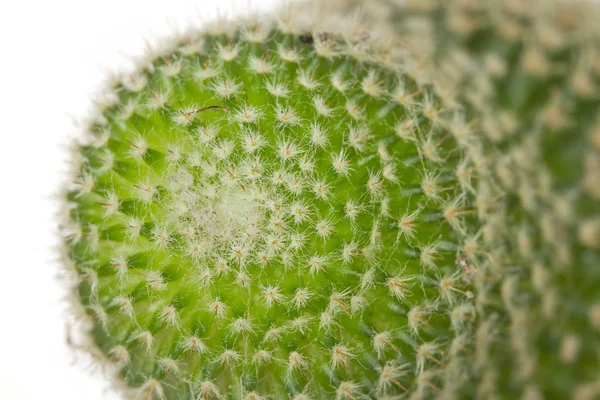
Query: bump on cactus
[[295, 209]]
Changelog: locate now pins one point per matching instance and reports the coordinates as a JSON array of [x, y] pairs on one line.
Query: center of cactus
[[260, 215]]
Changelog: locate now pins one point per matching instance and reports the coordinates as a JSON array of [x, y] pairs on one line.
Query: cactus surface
[[530, 72], [288, 211]]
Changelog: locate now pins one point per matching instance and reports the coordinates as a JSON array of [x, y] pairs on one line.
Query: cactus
[[292, 210], [529, 71]]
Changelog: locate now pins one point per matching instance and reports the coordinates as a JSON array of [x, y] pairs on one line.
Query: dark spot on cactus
[[310, 39], [307, 38], [324, 36]]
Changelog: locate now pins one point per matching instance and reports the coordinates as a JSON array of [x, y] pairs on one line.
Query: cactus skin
[[500, 146], [540, 117], [530, 70], [262, 214]]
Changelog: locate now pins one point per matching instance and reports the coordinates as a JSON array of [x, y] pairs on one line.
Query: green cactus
[[530, 72], [315, 211]]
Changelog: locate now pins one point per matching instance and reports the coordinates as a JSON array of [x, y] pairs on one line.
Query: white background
[[53, 56]]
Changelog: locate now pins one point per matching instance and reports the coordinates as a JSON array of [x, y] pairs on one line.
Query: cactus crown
[[271, 211]]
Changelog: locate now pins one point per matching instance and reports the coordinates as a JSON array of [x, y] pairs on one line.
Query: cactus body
[[529, 71], [310, 213], [263, 215]]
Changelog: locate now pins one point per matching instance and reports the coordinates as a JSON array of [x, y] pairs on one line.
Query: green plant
[[528, 71], [313, 211]]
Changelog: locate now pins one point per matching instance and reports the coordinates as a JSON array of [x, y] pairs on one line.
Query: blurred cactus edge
[[346, 200]]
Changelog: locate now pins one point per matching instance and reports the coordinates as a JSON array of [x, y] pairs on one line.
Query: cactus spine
[[285, 211]]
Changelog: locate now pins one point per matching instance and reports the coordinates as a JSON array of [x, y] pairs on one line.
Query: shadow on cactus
[[285, 211]]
